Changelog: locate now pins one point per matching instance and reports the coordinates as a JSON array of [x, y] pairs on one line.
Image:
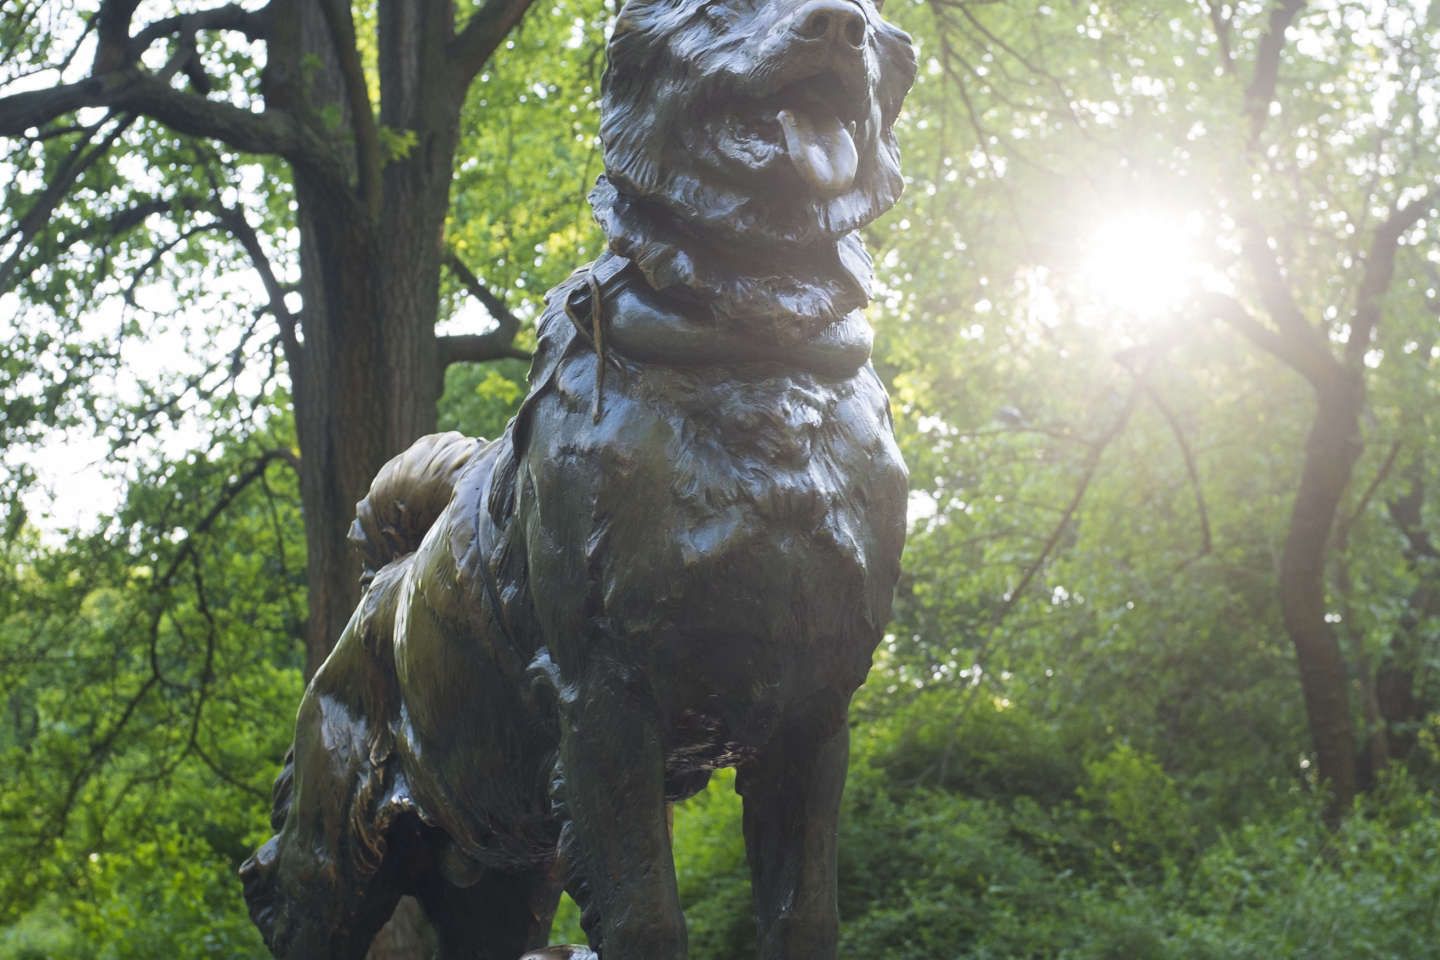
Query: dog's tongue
[[821, 149]]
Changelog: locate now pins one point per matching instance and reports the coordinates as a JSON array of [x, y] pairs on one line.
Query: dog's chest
[[753, 503]]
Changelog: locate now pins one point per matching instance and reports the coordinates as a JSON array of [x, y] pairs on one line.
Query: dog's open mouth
[[818, 120], [814, 122]]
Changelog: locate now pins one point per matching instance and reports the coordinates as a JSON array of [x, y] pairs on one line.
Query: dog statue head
[[745, 142]]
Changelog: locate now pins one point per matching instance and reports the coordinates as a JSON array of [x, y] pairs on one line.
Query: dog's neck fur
[[739, 282]]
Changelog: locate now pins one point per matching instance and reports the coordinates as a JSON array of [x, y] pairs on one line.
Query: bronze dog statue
[[679, 556]]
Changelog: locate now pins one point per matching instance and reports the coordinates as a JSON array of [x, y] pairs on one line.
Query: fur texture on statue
[[679, 556]]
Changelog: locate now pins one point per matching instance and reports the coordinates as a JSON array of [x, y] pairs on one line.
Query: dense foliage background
[[1150, 253]]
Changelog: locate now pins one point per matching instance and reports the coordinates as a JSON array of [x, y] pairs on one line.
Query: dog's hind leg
[[792, 806], [617, 838], [323, 886], [307, 889]]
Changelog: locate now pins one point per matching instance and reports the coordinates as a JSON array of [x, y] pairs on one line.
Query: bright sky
[[78, 480]]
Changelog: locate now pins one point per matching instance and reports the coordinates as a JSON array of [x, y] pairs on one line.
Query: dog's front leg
[[792, 808], [613, 792]]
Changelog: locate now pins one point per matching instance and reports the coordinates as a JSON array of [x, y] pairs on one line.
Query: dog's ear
[[897, 68], [651, 16]]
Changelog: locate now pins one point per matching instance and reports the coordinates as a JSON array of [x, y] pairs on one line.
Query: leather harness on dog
[[602, 277]]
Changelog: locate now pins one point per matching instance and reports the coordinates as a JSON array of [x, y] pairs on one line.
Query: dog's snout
[[838, 22]]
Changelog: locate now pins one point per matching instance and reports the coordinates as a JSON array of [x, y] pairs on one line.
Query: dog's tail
[[407, 497]]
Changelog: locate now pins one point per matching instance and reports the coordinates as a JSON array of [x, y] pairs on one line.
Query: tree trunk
[[365, 390], [367, 376], [1331, 451]]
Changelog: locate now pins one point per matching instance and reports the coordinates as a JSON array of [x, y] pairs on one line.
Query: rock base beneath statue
[[567, 951]]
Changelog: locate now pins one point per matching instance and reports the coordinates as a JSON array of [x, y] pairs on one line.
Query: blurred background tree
[[1159, 314]]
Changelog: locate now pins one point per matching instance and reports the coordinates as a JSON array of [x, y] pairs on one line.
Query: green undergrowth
[[971, 828], [1098, 855]]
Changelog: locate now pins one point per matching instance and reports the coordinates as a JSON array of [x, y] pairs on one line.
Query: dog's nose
[[838, 22]]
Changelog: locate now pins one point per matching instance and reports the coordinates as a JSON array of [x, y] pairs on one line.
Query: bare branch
[[483, 34]]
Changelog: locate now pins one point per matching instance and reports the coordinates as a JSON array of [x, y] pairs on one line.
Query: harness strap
[[597, 276]]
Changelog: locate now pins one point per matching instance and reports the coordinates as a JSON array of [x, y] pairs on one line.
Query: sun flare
[[1141, 262]]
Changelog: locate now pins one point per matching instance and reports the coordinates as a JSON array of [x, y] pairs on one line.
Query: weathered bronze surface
[[679, 556]]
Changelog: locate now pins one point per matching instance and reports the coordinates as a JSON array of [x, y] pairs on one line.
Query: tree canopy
[[1160, 318]]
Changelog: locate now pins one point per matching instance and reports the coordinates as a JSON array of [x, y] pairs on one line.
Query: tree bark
[[365, 388], [1331, 451], [366, 377]]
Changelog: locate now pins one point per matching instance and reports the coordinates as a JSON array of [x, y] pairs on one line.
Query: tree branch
[[134, 90], [100, 748], [341, 25], [154, 260], [232, 490], [112, 28], [254, 24], [1261, 91], [114, 225], [1407, 513], [499, 343], [1094, 454], [1306, 348], [59, 183], [477, 348], [1191, 469], [1272, 284], [1230, 311], [1223, 28], [1380, 270], [235, 221], [1347, 524], [482, 34]]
